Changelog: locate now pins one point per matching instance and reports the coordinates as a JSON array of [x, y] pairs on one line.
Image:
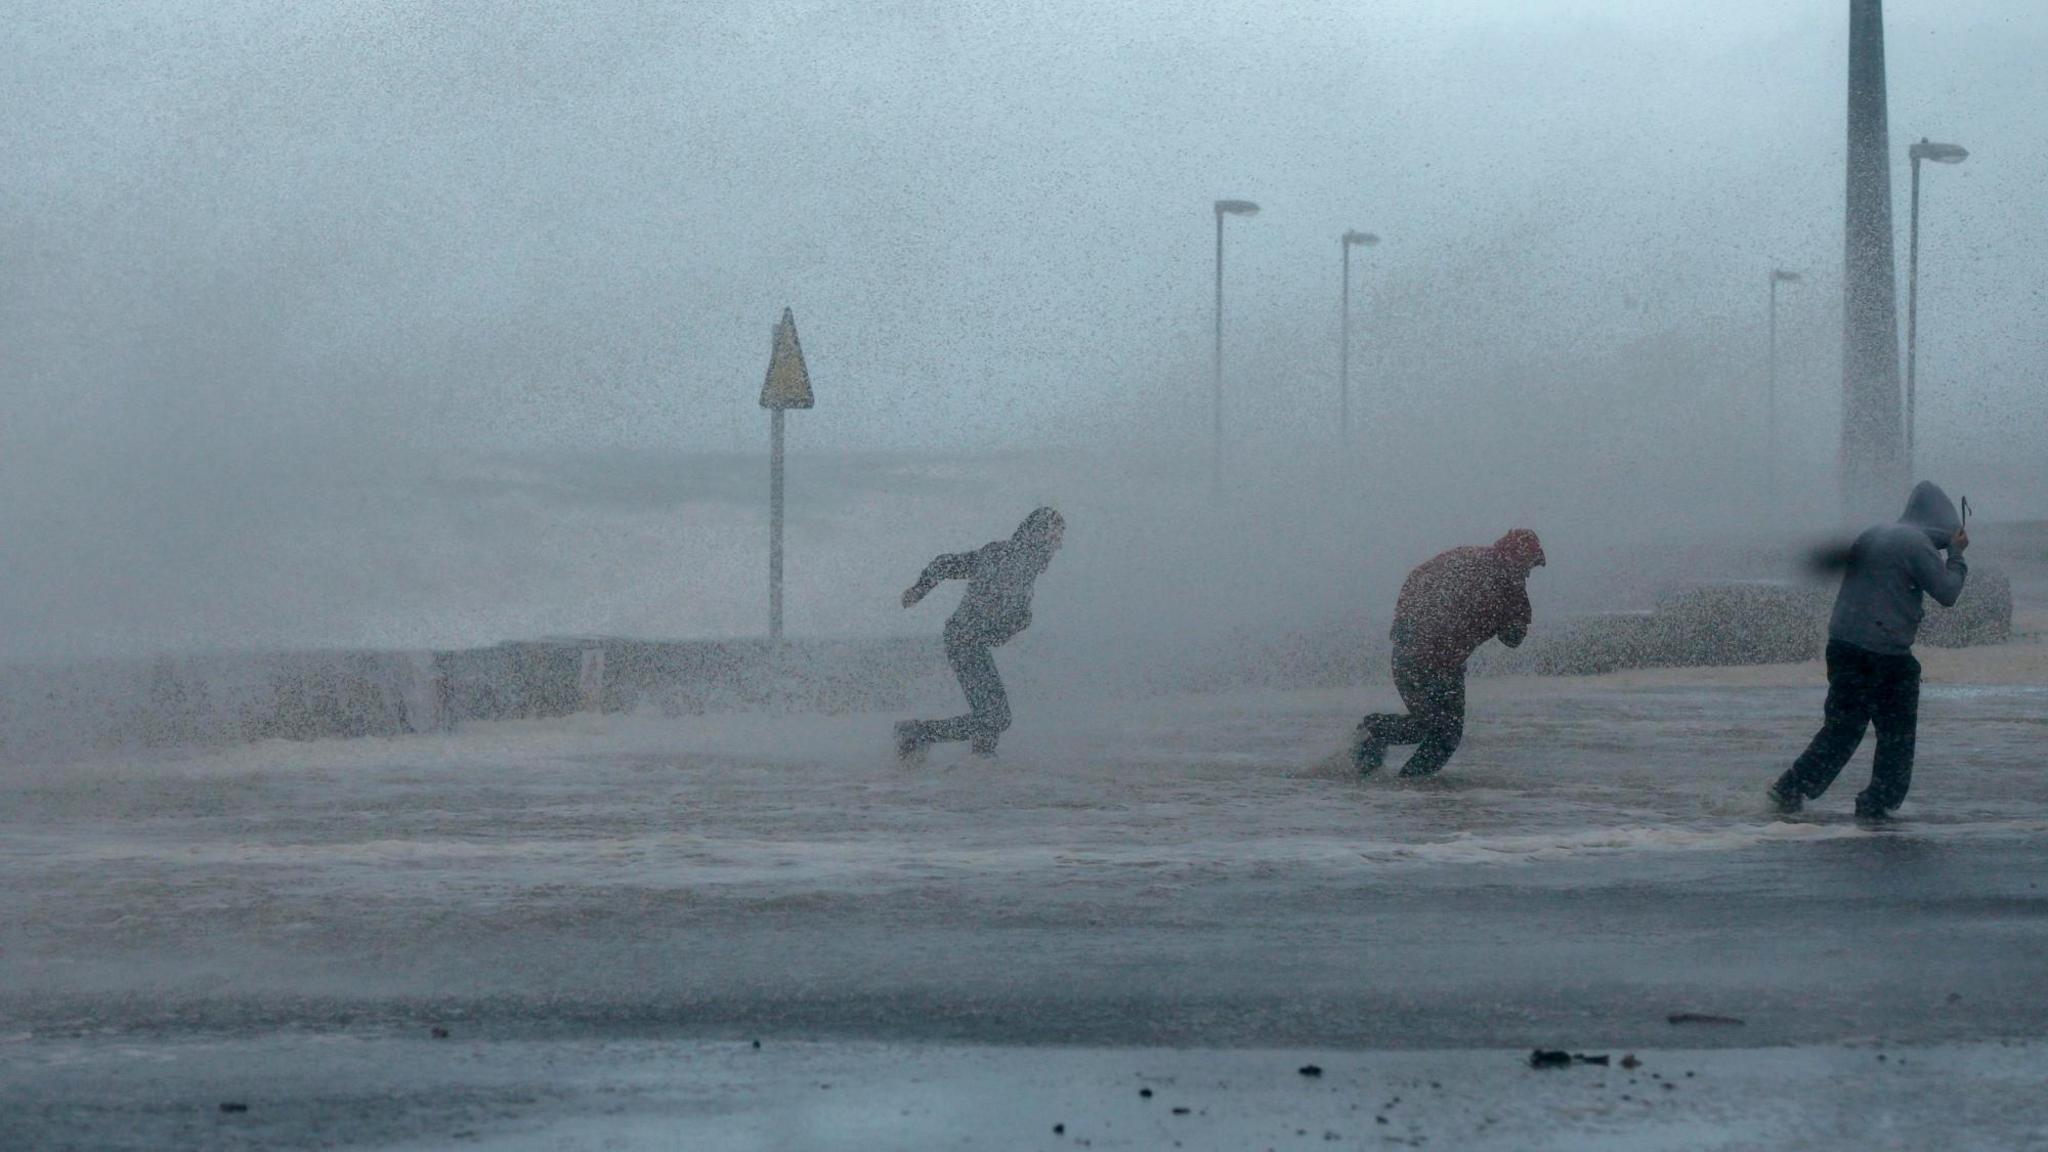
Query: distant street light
[[1223, 208], [1350, 239], [1940, 154], [1778, 276]]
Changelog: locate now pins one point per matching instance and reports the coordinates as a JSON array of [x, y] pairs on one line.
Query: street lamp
[[1778, 276], [1353, 238], [1223, 208], [1940, 154]]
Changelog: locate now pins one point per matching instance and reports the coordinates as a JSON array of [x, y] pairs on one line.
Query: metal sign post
[[788, 386]]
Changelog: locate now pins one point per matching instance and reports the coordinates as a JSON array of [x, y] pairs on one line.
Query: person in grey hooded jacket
[[1000, 576], [1872, 676]]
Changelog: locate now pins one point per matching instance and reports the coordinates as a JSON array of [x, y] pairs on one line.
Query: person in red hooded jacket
[[1449, 606]]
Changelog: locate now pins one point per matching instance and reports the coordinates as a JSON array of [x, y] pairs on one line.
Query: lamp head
[[1939, 153]]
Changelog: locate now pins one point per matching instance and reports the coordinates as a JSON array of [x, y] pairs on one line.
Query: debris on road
[[1559, 1058]]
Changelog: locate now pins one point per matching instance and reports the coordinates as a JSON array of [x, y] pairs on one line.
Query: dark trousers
[[1436, 716], [1864, 689], [988, 708]]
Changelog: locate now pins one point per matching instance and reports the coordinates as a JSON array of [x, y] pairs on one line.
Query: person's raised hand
[[1959, 541], [912, 595]]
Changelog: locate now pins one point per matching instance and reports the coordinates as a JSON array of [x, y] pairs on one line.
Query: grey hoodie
[[1878, 608], [1000, 576]]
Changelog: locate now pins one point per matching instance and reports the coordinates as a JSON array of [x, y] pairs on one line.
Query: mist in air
[[410, 326], [396, 749]]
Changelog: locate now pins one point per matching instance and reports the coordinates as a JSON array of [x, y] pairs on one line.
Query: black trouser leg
[[1435, 719], [988, 707], [1843, 718], [1863, 687], [1436, 699], [1895, 713]]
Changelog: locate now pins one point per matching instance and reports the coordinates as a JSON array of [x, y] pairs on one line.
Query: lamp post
[[1223, 208], [1350, 239], [1940, 154], [1778, 276]]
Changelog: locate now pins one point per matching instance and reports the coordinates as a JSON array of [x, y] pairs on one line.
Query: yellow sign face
[[788, 384]]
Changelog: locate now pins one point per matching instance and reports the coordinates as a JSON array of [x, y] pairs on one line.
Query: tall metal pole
[[1941, 154], [1344, 356], [1873, 440], [1216, 446], [1912, 305], [1223, 208], [1351, 237], [775, 524], [1778, 276], [1771, 403]]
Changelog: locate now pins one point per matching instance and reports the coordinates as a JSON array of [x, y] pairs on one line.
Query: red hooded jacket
[[1460, 599]]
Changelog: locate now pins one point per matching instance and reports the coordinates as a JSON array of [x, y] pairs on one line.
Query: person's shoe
[[1784, 801], [1869, 812], [1410, 773], [1367, 754], [909, 749], [982, 749]]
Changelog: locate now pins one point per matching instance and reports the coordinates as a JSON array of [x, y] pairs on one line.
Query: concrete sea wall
[[71, 710], [61, 711]]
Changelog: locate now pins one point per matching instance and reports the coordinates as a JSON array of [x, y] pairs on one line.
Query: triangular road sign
[[788, 384]]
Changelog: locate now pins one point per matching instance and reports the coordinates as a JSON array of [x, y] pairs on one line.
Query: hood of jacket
[[1520, 548], [1930, 510], [1032, 541]]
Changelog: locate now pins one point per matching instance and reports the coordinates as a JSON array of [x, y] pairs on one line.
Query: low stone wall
[[71, 709], [64, 711], [79, 709], [1982, 615], [1717, 624], [690, 677], [1735, 622]]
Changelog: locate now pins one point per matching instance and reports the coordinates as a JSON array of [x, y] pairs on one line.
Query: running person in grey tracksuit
[[999, 576], [1872, 676]]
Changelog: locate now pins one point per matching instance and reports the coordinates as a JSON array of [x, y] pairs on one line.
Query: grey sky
[[511, 224], [253, 252]]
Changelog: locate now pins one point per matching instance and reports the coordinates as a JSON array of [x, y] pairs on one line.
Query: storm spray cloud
[[396, 751], [386, 324]]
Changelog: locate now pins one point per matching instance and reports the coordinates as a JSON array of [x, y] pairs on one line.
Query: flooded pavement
[[1190, 872]]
